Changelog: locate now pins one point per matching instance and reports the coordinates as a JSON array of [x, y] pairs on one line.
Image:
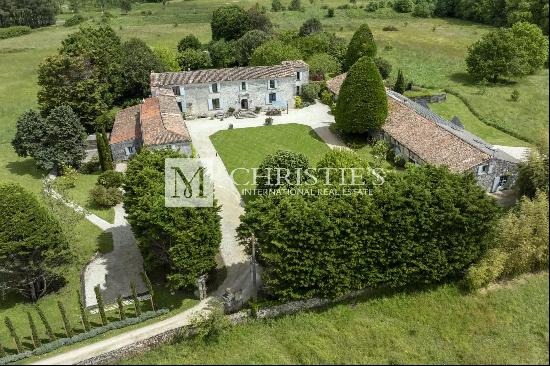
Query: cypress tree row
[[399, 86], [108, 153], [121, 312], [34, 333], [100, 305], [44, 320], [137, 306], [13, 334], [83, 313], [149, 286], [66, 322]]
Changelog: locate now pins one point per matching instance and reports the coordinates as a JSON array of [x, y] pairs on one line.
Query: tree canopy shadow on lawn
[[25, 167]]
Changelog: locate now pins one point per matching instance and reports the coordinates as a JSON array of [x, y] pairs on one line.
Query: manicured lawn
[[247, 147], [453, 106], [438, 326], [81, 192]]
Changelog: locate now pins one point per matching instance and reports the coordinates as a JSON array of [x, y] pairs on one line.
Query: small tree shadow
[[25, 167]]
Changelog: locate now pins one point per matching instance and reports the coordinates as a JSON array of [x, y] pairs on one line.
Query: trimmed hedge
[[49, 347], [421, 226], [362, 104], [15, 31]]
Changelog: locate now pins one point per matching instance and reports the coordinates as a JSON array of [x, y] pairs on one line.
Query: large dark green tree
[[362, 104], [138, 61], [222, 53], [54, 141], [274, 52], [192, 59], [181, 242], [247, 44], [281, 169], [361, 44], [33, 247], [229, 22], [189, 41]]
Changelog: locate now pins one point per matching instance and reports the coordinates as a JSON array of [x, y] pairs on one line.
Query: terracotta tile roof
[[335, 83], [126, 126], [157, 121], [427, 135], [430, 142], [161, 121], [285, 69]]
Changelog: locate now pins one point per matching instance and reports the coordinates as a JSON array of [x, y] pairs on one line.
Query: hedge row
[[15, 31], [49, 347]]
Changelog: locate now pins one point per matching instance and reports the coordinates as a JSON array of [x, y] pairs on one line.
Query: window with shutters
[[214, 88], [243, 85], [272, 97], [272, 84], [176, 90], [298, 76], [216, 103]]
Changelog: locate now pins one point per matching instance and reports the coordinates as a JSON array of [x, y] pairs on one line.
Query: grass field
[[508, 325], [247, 147]]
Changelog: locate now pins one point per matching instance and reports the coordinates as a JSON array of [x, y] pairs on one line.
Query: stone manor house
[[158, 122]]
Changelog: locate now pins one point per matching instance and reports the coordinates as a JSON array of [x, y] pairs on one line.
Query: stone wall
[[436, 98], [195, 100], [119, 150], [497, 168]]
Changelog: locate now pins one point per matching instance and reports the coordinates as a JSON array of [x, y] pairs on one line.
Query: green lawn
[[438, 326], [80, 194], [247, 147]]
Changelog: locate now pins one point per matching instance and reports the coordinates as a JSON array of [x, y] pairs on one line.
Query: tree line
[[32, 13]]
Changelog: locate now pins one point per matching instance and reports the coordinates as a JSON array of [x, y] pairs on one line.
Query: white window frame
[[130, 150], [484, 169], [219, 104], [243, 86], [274, 84], [269, 98], [211, 87]]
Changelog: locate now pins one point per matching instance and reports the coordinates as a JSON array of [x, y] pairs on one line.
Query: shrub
[[327, 98], [361, 44], [403, 6], [522, 244], [423, 9], [281, 160], [312, 25], [384, 67], [515, 95], [268, 121], [295, 5], [90, 166], [310, 92], [322, 65], [330, 13], [105, 197], [15, 31], [111, 179], [362, 104], [189, 41], [74, 20], [210, 325], [276, 6], [399, 86], [298, 102]]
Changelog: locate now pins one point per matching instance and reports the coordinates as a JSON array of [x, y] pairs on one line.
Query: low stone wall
[[436, 98]]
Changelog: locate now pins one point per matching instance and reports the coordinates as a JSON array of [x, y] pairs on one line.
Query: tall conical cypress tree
[[149, 286], [83, 313], [2, 351], [100, 305], [47, 326], [121, 311], [107, 150], [13, 334], [399, 86], [34, 333], [100, 150], [362, 104], [66, 322], [137, 305], [361, 44]]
